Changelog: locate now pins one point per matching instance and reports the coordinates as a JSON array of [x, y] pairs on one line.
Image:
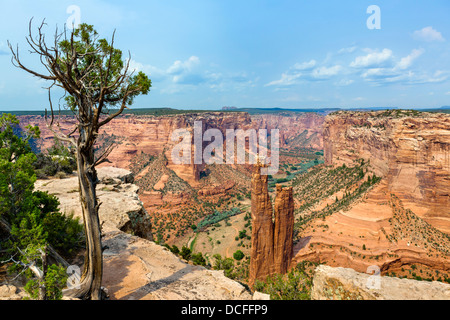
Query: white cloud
[[305, 65], [305, 71], [406, 62], [286, 80], [382, 76], [344, 82], [448, 93], [347, 50], [373, 59], [428, 34], [179, 67], [325, 73]]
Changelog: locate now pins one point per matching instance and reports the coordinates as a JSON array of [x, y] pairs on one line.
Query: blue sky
[[206, 54]]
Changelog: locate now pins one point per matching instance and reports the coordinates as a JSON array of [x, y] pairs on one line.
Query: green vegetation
[[238, 255], [58, 160], [30, 219], [323, 182], [295, 285], [238, 271], [217, 216], [55, 280]]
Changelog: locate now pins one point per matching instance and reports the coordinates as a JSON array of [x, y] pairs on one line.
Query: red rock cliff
[[410, 150]]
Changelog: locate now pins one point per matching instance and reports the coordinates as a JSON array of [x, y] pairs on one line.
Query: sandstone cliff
[[402, 223], [272, 246], [411, 151], [296, 130]]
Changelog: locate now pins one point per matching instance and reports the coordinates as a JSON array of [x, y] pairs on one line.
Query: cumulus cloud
[[373, 59], [344, 82], [306, 71], [180, 67], [428, 34], [407, 61]]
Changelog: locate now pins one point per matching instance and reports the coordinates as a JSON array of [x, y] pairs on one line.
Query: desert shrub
[[238, 255]]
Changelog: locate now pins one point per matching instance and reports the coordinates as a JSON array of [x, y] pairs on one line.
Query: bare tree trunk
[[91, 278]]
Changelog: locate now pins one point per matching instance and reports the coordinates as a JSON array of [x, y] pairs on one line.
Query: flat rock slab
[[138, 269]]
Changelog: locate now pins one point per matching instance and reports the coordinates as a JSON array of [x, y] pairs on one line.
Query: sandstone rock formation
[[120, 209], [411, 151], [283, 229], [403, 221], [347, 284], [272, 246]]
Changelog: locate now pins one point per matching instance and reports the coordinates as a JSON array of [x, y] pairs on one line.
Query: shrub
[[238, 255], [185, 253]]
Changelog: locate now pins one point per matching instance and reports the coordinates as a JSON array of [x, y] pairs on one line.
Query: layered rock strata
[[272, 246], [410, 150]]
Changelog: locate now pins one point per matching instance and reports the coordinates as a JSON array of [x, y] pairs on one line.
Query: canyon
[[381, 197]]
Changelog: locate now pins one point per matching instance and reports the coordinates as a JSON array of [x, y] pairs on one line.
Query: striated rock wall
[[347, 284], [152, 134], [283, 229], [272, 246], [411, 152], [292, 126]]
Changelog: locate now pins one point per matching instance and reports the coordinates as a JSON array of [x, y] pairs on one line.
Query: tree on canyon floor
[[98, 86]]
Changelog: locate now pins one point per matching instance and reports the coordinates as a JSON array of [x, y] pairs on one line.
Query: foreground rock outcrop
[[347, 284], [120, 209], [272, 247], [136, 268]]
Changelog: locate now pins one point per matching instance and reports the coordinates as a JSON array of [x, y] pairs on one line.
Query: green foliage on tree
[[55, 279], [238, 255], [198, 259], [185, 253], [32, 217]]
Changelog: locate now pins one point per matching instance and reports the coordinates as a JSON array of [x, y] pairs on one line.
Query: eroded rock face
[[272, 246], [283, 229], [120, 209], [347, 284], [411, 152]]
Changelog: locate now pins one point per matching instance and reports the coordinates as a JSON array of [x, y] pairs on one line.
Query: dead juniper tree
[[98, 86]]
